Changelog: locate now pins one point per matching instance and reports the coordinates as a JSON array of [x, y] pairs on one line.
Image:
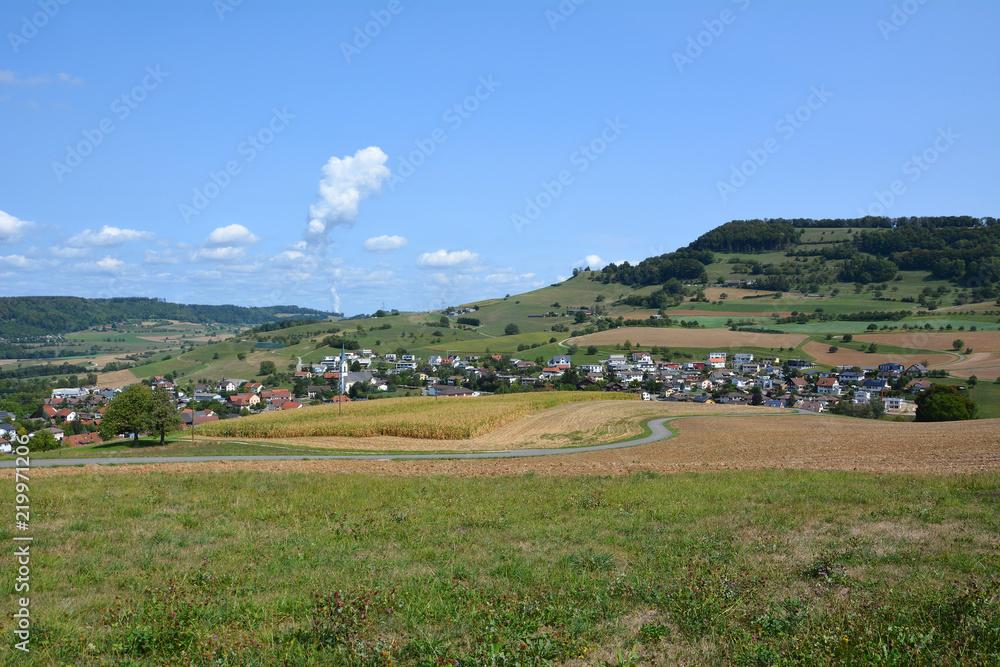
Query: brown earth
[[848, 357], [674, 337], [116, 379], [800, 442]]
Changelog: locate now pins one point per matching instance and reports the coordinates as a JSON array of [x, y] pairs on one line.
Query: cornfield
[[427, 418]]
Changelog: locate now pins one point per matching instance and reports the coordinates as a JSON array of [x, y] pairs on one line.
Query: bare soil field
[[799, 442], [672, 337], [984, 365], [979, 341], [116, 379], [847, 357], [572, 425], [176, 338]]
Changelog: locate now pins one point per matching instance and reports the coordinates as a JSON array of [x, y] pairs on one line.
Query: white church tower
[[344, 368]]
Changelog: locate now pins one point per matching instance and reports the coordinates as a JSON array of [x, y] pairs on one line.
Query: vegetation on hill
[[26, 316]]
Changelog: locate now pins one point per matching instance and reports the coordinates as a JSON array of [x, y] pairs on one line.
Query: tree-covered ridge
[[962, 249], [25, 316], [748, 236], [948, 252]]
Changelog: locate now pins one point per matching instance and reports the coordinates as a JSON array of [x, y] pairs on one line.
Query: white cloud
[[384, 243], [108, 236], [504, 278], [593, 261], [12, 229], [68, 253], [223, 254], [345, 182], [231, 235], [9, 77], [110, 263], [15, 261], [71, 80], [165, 257], [443, 258]]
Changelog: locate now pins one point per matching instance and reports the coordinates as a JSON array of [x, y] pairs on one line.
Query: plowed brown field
[[674, 337]]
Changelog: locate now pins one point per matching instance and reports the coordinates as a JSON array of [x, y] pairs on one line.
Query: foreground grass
[[736, 568], [430, 418]]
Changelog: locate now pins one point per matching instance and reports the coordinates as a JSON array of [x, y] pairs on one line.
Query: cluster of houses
[[719, 378]]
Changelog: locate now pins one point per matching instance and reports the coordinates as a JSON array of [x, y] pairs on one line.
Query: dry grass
[[671, 337], [422, 418]]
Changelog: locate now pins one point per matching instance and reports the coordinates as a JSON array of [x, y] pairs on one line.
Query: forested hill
[[22, 316], [961, 249]]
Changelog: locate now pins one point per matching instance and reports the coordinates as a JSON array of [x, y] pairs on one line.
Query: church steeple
[[344, 368]]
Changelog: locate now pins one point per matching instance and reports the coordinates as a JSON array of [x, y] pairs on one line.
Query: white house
[[742, 358], [561, 360]]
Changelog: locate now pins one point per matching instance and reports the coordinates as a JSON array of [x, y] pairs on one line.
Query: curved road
[[658, 429]]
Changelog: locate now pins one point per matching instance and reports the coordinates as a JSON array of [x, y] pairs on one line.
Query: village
[[73, 415]]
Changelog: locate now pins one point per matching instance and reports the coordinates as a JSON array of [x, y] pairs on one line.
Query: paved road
[[657, 426]]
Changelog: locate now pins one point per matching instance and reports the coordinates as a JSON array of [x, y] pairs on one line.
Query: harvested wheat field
[[848, 357], [979, 341], [792, 442], [572, 425], [675, 337], [116, 379], [984, 365]]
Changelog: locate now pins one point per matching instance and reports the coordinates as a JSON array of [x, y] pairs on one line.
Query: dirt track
[[726, 443]]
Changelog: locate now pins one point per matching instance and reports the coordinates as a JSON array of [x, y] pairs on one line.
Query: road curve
[[657, 427]]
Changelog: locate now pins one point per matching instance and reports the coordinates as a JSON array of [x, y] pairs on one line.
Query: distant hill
[[797, 254], [23, 316]]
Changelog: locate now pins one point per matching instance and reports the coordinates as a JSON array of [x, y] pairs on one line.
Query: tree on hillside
[[267, 368], [511, 329], [128, 413], [163, 417], [957, 344], [43, 441], [591, 350], [945, 403]]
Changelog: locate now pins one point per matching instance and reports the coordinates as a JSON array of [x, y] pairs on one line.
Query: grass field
[[425, 418], [731, 568]]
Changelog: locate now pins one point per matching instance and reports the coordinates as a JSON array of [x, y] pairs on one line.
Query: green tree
[[957, 344], [445, 322], [945, 403], [163, 417], [43, 441], [511, 330], [591, 350], [267, 368], [241, 355], [128, 412], [848, 338]]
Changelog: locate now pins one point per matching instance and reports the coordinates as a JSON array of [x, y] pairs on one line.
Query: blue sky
[[418, 154]]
